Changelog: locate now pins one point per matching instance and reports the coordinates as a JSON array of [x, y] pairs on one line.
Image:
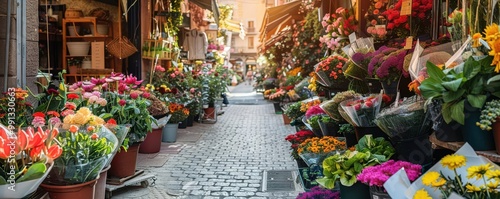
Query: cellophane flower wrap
[[330, 70], [377, 175], [314, 150], [362, 111], [405, 121]]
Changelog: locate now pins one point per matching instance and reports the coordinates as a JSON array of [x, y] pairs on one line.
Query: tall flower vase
[[478, 139], [358, 190], [170, 132], [152, 143], [124, 162]]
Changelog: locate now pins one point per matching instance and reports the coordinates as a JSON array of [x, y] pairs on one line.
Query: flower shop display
[[387, 66], [347, 131], [178, 113], [152, 141], [34, 153], [399, 26], [314, 150], [376, 176], [312, 117], [346, 166], [318, 192], [338, 26], [328, 126]]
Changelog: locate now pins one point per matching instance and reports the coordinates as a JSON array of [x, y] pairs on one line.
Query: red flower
[[53, 114], [72, 96], [70, 105], [39, 114], [52, 91], [112, 121], [146, 95], [122, 102], [134, 95]]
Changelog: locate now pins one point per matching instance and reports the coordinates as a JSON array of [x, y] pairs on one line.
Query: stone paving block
[[244, 194], [230, 188]]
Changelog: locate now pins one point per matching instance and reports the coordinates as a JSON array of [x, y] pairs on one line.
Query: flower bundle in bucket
[[314, 150]]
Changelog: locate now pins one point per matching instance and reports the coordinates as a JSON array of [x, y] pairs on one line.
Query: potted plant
[[33, 158], [375, 176], [22, 107], [489, 120], [346, 166], [73, 65], [152, 142], [178, 113]]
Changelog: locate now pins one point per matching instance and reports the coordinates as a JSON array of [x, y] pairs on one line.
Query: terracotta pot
[[100, 187], [286, 119], [124, 162], [152, 143], [209, 113], [496, 134], [78, 191], [73, 69]]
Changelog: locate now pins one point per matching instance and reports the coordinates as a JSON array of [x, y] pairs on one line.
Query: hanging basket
[[121, 47]]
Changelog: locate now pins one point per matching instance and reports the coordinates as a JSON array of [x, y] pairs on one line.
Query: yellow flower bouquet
[[314, 150]]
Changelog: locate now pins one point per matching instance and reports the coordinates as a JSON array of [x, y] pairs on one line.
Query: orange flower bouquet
[[314, 150], [179, 113]]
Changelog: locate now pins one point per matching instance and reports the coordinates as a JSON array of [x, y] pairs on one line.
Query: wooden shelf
[[89, 37], [454, 146]]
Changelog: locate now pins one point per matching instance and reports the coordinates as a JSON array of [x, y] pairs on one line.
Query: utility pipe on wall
[[7, 42]]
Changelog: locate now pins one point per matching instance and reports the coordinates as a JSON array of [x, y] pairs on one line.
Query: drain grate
[[282, 180]]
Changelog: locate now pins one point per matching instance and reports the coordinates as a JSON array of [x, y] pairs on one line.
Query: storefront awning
[[277, 18], [209, 5], [234, 26]]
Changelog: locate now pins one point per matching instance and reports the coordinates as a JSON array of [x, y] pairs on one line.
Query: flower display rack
[[454, 146]]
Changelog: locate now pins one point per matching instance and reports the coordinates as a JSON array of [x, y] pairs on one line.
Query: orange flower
[[73, 128], [94, 136], [413, 86], [54, 151], [90, 128], [53, 114]]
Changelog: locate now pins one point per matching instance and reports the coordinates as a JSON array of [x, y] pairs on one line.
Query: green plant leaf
[[446, 112], [347, 180], [457, 112], [471, 68], [451, 96], [452, 85], [34, 172], [434, 72], [494, 79], [476, 101], [326, 182], [2, 181], [431, 88], [477, 86]]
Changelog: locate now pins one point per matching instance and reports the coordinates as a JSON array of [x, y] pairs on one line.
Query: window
[[251, 27], [250, 43]]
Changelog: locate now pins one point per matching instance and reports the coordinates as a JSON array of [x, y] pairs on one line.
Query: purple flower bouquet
[[379, 174]]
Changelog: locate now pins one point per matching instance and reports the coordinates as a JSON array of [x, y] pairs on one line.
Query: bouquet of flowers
[[329, 71], [293, 110], [377, 22], [338, 26], [405, 121], [376, 176], [314, 150], [278, 96], [318, 192], [26, 159], [331, 107], [399, 24], [296, 139], [387, 64], [362, 111], [178, 112]]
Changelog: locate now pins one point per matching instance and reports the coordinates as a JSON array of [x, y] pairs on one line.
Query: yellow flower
[[492, 185], [495, 52], [491, 32], [95, 121], [62, 87], [453, 161], [68, 119], [80, 119], [84, 111], [475, 39], [472, 188], [433, 178], [493, 174], [421, 194], [478, 171]]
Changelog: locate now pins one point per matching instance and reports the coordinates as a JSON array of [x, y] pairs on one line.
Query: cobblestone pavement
[[222, 160]]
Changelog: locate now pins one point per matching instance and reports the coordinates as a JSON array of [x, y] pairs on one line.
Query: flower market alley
[[227, 159]]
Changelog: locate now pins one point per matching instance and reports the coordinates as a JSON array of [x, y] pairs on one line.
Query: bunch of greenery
[[346, 129], [293, 111]]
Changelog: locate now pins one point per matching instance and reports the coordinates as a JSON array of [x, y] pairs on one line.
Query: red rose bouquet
[[399, 24]]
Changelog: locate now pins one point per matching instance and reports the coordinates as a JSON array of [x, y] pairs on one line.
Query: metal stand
[[138, 179]]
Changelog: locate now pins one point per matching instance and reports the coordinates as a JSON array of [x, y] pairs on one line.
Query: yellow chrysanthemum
[[478, 171], [84, 111], [433, 178], [453, 161], [492, 185], [493, 174], [472, 188], [96, 121], [421, 194], [491, 31]]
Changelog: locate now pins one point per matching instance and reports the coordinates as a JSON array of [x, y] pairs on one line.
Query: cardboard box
[[98, 59]]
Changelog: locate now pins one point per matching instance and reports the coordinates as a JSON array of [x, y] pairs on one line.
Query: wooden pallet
[[119, 181]]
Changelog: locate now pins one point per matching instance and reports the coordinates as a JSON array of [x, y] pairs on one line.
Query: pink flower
[[88, 86], [117, 76], [172, 75], [97, 81], [192, 90], [134, 95], [38, 122], [132, 80], [159, 68], [314, 110], [378, 175], [54, 120], [67, 112], [146, 95]]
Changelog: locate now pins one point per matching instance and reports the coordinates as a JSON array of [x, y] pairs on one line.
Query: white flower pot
[[73, 30], [78, 48], [102, 29]]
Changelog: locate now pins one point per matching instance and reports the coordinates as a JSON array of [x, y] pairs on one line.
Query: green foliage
[[293, 111], [379, 147], [346, 129]]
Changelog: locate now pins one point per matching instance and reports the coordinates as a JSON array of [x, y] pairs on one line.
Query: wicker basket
[[121, 47], [73, 13]]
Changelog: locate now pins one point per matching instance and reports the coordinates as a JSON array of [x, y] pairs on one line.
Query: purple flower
[[319, 193]]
